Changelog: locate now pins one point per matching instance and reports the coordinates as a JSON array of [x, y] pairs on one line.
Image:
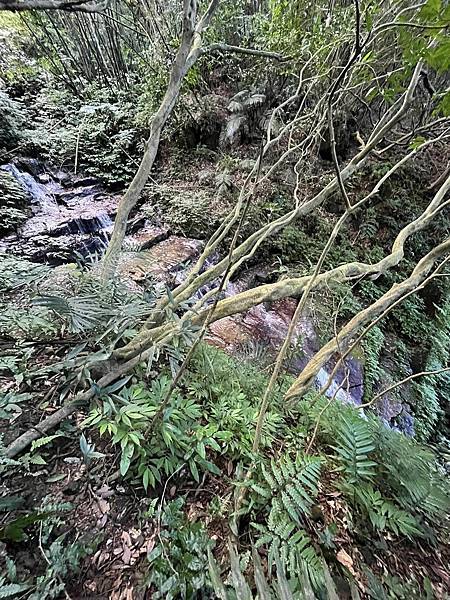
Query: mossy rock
[[192, 213], [14, 203]]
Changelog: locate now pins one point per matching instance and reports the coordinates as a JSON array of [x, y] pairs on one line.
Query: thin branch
[[402, 382], [219, 47], [68, 5]]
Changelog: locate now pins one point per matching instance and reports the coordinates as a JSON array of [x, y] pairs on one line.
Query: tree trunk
[[187, 54]]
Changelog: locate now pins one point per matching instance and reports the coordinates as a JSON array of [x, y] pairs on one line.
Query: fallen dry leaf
[[104, 491], [103, 505], [102, 522], [126, 538], [126, 555], [346, 560]]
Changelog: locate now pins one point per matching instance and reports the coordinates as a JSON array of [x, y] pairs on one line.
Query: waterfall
[[334, 390], [105, 221], [68, 219], [37, 191]]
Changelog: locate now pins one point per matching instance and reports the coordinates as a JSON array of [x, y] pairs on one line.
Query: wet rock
[[41, 195], [68, 197], [228, 334], [81, 181], [351, 377], [268, 325], [160, 262], [55, 233], [148, 237], [394, 407], [30, 165], [83, 224]]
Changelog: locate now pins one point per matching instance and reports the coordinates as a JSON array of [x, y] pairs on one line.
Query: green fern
[[291, 483], [268, 586], [283, 538], [383, 514], [7, 590], [354, 443], [43, 441], [240, 588], [412, 475]]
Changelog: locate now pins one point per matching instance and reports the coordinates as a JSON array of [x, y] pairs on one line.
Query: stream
[[72, 216]]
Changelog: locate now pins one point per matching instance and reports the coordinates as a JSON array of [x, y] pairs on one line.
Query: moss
[[195, 213], [14, 208]]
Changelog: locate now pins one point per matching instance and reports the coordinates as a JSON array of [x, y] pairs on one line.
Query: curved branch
[[402, 382], [68, 5], [397, 291]]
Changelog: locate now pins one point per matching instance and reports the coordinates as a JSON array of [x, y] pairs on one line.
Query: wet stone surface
[[71, 214]]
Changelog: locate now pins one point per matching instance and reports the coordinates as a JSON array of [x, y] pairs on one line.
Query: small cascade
[[71, 215], [340, 391], [84, 225], [39, 193]]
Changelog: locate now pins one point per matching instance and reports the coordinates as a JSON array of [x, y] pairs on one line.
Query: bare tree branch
[[419, 274], [219, 47], [68, 5], [402, 382]]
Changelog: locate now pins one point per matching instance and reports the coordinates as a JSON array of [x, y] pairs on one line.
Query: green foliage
[[10, 402], [291, 483], [383, 514], [193, 212], [382, 465], [88, 450], [99, 133], [231, 403], [432, 392], [372, 345], [43, 441], [179, 562], [63, 556], [77, 297], [177, 440], [18, 280], [15, 530], [289, 487], [411, 474], [283, 538], [236, 585], [354, 444], [13, 203], [17, 273], [11, 122]]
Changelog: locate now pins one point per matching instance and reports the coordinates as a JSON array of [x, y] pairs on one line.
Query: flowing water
[[73, 216], [70, 215]]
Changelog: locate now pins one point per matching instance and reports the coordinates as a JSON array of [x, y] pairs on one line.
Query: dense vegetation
[[240, 388]]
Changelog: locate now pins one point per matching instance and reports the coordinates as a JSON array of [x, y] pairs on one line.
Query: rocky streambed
[[72, 217]]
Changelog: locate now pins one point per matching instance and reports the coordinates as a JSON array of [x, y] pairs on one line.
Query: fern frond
[[292, 484], [355, 441], [43, 441]]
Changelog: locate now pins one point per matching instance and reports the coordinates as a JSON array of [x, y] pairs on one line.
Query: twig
[[402, 382], [239, 50]]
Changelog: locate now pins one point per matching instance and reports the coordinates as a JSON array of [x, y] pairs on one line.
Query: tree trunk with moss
[[187, 55]]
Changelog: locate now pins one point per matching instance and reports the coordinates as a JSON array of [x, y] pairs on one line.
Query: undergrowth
[[361, 483]]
